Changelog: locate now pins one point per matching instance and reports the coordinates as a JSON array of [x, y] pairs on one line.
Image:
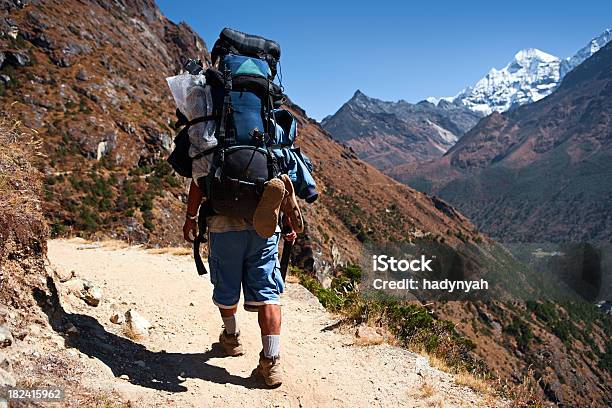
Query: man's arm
[[194, 199]]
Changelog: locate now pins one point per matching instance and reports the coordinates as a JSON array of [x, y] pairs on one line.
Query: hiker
[[246, 175], [239, 256]]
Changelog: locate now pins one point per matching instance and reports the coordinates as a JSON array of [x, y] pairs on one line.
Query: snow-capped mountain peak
[[528, 55], [531, 75], [591, 48]]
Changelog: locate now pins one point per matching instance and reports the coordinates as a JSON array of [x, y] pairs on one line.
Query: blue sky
[[395, 50]]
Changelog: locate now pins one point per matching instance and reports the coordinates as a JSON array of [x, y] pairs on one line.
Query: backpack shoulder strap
[[226, 111]]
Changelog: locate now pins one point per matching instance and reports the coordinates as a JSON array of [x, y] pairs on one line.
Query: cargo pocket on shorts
[[213, 265]]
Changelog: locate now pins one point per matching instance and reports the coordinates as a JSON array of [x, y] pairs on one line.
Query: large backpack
[[255, 137], [245, 100]]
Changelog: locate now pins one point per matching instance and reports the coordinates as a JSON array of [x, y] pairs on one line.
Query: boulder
[[369, 335], [17, 59], [5, 363], [82, 75], [117, 318], [92, 295], [135, 325], [41, 40], [13, 32], [6, 337], [103, 150], [63, 274], [71, 329], [75, 285]]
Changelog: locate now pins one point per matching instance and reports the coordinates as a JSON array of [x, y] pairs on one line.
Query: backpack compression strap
[[201, 238], [200, 120]]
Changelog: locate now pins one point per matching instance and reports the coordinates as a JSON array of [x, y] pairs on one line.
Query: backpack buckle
[[260, 185], [257, 135]]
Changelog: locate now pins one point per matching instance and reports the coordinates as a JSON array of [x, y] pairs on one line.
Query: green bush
[[411, 323], [521, 331]]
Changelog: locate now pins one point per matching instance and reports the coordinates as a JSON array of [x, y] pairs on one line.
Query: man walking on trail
[[237, 146], [238, 256]]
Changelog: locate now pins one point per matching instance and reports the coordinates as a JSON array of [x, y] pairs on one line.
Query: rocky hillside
[[388, 134], [89, 78], [541, 172], [25, 359]]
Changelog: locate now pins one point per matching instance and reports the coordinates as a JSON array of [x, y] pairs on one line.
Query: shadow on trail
[[161, 371]]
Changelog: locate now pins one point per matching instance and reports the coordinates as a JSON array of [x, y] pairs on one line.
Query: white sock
[[271, 345], [230, 323]]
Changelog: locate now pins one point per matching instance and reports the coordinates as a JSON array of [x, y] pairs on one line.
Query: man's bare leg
[[269, 317]]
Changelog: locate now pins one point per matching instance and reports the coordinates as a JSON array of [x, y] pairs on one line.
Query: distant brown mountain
[[389, 134], [538, 173]]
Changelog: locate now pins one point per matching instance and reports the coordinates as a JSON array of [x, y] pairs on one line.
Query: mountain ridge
[[530, 76], [387, 134]]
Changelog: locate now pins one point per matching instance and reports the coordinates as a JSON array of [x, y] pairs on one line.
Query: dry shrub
[[23, 230], [427, 390], [476, 382], [526, 394], [21, 214]]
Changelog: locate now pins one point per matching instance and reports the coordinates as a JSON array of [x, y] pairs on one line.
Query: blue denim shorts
[[243, 258]]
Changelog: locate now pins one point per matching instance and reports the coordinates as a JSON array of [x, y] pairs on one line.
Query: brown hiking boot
[[270, 370], [265, 218], [231, 343], [290, 206]]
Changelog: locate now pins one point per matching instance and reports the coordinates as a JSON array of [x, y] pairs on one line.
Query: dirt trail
[[179, 365]]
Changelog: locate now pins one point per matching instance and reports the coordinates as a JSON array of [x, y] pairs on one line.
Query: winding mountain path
[[179, 365]]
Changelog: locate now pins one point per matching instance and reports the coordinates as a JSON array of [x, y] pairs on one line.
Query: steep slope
[[540, 172], [27, 356], [387, 134], [89, 77], [529, 77]]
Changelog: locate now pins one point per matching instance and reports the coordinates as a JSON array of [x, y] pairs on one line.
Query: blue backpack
[[255, 136]]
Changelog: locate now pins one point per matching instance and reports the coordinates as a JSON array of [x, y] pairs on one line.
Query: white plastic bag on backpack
[[193, 98]]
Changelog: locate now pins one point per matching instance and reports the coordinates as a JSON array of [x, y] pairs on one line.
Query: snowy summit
[[530, 76]]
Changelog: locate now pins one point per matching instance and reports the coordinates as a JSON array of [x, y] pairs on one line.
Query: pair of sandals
[[278, 195]]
